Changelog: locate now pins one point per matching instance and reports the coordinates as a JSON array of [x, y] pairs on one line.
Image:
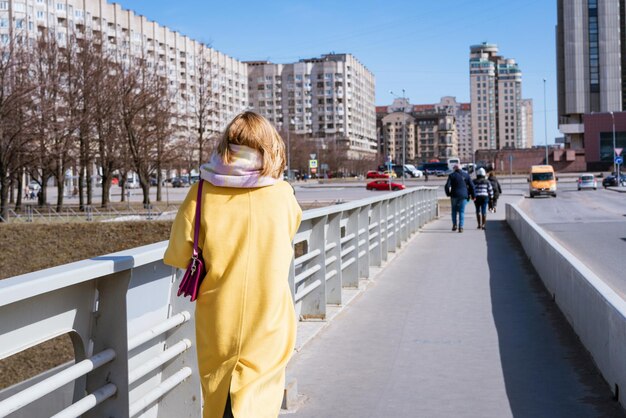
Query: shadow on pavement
[[547, 371]]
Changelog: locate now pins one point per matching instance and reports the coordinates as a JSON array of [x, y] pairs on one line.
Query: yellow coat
[[245, 319]]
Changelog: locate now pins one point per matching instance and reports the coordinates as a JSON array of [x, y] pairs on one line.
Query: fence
[[33, 213], [135, 355]]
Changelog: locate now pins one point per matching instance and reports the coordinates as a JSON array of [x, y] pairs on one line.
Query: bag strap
[[196, 230]]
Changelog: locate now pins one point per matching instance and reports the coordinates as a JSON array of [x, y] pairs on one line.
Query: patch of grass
[[25, 248]]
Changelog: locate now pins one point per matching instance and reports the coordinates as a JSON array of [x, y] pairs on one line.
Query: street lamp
[[614, 152], [545, 119], [403, 133]]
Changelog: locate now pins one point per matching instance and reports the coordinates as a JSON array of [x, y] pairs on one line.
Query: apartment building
[[126, 35], [496, 99], [329, 99], [591, 76], [463, 117], [396, 131], [421, 132]]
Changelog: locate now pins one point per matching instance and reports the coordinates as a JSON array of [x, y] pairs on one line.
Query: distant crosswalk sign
[[312, 163]]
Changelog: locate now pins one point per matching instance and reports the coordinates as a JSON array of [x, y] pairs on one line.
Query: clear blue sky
[[420, 46]]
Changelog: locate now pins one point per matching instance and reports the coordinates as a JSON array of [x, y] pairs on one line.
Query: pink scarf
[[244, 171]]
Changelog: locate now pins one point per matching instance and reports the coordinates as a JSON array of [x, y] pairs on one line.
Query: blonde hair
[[253, 130]]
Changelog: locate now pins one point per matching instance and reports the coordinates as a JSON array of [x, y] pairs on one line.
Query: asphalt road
[[591, 224]]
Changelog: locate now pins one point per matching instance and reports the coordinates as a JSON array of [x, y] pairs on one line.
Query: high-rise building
[[496, 99], [591, 63], [328, 99], [527, 123], [125, 35]]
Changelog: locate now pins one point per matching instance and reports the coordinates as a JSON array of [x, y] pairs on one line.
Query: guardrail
[[133, 339], [594, 310]]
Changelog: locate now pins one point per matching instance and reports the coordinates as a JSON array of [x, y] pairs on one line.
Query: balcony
[[572, 128]]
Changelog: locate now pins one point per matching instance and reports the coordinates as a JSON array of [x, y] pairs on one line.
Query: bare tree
[[167, 120], [14, 99], [203, 100], [56, 101], [105, 118], [81, 57], [140, 93]]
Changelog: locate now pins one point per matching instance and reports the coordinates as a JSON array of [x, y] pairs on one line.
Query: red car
[[384, 185], [376, 175]]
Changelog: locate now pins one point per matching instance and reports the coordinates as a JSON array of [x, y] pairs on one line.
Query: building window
[[4, 5]]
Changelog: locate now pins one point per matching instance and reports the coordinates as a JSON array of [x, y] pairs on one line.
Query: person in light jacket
[[245, 318], [483, 195]]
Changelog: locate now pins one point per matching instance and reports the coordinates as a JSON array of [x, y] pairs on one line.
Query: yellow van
[[542, 180]]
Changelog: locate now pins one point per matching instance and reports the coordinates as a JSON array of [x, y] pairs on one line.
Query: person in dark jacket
[[483, 193], [497, 190], [459, 188]]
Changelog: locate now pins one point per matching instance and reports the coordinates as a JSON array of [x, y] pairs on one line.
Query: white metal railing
[[134, 340]]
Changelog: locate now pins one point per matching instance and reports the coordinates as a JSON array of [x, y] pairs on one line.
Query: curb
[[616, 189]]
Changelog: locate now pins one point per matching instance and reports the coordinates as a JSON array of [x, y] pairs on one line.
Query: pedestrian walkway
[[457, 325]]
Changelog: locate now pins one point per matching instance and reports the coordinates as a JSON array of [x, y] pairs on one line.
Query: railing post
[[384, 229], [404, 210], [423, 206], [109, 331], [376, 242], [363, 242], [185, 400], [393, 222], [349, 250], [333, 259], [314, 303], [415, 214], [292, 277]]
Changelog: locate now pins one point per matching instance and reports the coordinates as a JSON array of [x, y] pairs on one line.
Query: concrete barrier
[[595, 312]]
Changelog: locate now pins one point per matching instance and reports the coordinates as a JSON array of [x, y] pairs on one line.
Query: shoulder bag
[[195, 272]]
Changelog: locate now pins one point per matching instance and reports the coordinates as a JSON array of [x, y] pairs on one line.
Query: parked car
[[180, 182], [154, 181], [132, 183], [376, 175], [34, 185], [611, 180], [587, 181], [384, 185]]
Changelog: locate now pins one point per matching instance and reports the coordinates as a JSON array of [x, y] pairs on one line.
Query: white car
[[415, 173], [587, 181], [33, 185]]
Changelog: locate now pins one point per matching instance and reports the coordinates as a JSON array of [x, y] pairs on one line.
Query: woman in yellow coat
[[245, 319]]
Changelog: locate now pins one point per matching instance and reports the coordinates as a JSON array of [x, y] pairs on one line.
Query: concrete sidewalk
[[457, 325]]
